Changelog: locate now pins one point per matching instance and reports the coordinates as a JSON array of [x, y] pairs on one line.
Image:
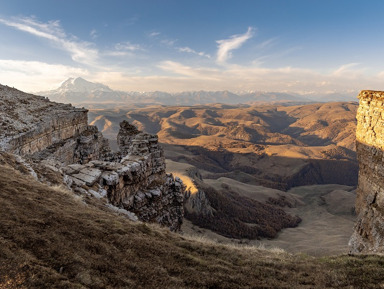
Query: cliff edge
[[368, 236], [55, 142]]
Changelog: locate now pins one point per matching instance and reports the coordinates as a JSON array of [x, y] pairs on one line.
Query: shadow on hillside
[[270, 171], [239, 217], [236, 216], [309, 140], [278, 120]]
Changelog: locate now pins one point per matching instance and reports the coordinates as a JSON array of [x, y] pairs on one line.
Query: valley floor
[[327, 223]]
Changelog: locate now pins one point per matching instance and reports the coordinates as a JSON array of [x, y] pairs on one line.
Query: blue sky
[[303, 46]]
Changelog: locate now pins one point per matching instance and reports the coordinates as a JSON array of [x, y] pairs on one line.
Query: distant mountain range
[[79, 91]]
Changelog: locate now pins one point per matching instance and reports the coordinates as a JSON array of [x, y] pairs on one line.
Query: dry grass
[[233, 246], [64, 190], [50, 240]]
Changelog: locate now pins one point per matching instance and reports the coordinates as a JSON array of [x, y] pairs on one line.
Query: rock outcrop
[[368, 236], [58, 137], [135, 181], [83, 147], [30, 123], [198, 203]]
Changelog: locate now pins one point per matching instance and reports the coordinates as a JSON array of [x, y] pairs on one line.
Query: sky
[[300, 46]]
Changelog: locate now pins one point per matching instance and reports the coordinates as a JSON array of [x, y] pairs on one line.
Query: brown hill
[[308, 125]]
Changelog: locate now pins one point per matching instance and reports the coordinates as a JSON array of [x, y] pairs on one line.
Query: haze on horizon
[[308, 47]]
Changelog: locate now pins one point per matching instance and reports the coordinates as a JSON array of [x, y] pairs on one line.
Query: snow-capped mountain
[[81, 92], [81, 85]]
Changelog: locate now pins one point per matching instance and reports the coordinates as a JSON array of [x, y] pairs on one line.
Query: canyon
[[297, 158]]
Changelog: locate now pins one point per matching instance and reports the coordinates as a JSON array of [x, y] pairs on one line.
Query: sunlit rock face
[[368, 236]]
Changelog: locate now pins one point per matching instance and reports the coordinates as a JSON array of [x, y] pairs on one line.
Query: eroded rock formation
[[58, 137], [368, 236], [136, 180]]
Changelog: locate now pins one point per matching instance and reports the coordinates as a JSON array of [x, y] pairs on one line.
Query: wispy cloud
[[36, 75], [190, 50], [127, 46], [154, 34], [225, 46], [94, 34], [80, 51], [124, 49], [178, 68], [131, 21], [348, 70], [176, 76], [168, 42], [171, 75], [267, 43], [283, 79]]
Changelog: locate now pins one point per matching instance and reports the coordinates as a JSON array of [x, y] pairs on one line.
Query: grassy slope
[[49, 239]]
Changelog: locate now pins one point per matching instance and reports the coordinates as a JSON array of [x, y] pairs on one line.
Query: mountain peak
[[81, 85]]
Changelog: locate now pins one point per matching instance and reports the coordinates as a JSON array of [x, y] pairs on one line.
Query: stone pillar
[[124, 138]]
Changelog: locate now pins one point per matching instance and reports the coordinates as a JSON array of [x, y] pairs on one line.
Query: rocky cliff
[[31, 123], [57, 137], [135, 181], [368, 236]]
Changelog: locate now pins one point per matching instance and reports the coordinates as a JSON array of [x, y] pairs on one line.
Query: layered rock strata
[[83, 147], [58, 137], [136, 180], [368, 236], [31, 123]]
